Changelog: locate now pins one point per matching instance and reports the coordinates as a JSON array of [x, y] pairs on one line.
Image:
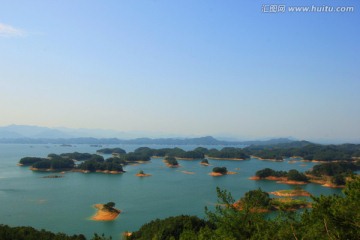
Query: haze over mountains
[[37, 134]]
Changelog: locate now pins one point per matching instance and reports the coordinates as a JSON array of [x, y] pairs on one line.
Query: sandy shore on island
[[187, 172], [104, 215], [205, 164], [142, 175], [283, 180], [214, 174]]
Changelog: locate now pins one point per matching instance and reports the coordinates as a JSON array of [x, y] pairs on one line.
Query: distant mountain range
[[44, 135]]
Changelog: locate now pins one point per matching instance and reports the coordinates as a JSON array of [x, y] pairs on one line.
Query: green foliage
[[79, 156], [169, 228], [306, 150], [339, 179], [27, 161], [267, 172], [29, 233], [201, 150], [110, 164], [271, 154], [119, 151], [334, 168], [256, 199], [229, 153], [171, 161], [45, 164], [205, 161], [221, 170], [292, 174], [132, 156], [295, 175], [109, 206]]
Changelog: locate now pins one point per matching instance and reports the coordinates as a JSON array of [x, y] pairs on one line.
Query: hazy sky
[[189, 67]]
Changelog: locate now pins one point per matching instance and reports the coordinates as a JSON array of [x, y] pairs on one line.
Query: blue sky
[[192, 68]]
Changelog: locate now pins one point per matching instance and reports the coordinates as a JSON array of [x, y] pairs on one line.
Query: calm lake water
[[65, 204]]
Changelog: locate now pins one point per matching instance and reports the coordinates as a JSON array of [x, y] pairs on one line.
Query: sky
[[187, 67]]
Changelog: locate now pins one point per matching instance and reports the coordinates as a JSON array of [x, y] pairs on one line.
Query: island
[[53, 176], [106, 212], [171, 162], [220, 171], [305, 150], [141, 173], [293, 176], [205, 162], [333, 174]]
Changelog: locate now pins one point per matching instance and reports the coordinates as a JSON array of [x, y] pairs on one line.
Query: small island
[[106, 212], [220, 171], [53, 176], [205, 162], [171, 162], [141, 173]]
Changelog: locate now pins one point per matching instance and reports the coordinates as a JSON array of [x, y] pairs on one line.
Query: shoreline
[[143, 175], [205, 164], [104, 215], [227, 159], [282, 180], [267, 159], [215, 174], [63, 170]]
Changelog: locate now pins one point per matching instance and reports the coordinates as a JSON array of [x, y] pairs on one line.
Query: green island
[[141, 173], [205, 162], [333, 174], [220, 171], [292, 176], [306, 151], [171, 162]]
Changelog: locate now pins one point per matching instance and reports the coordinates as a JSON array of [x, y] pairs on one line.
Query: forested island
[[220, 171], [306, 151], [292, 176], [333, 174]]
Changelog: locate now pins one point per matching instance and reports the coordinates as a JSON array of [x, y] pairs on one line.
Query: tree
[[256, 199], [221, 170], [109, 205], [295, 175], [338, 179]]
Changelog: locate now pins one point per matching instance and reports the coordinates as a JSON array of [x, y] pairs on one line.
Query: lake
[[65, 204]]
